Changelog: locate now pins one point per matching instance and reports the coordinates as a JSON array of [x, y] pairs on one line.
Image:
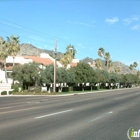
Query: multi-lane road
[[95, 116]]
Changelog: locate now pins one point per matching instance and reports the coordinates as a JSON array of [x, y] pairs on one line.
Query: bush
[[70, 89], [77, 88], [15, 87], [3, 93], [65, 89], [87, 88]]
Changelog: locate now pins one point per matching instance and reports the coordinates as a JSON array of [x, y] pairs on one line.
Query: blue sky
[[86, 24]]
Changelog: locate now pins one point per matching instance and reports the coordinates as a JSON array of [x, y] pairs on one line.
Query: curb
[[71, 94]]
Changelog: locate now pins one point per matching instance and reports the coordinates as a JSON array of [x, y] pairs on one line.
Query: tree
[[3, 55], [110, 64], [70, 49], [47, 76], [27, 74], [113, 79], [13, 45], [66, 59], [107, 57], [135, 64], [117, 69], [70, 78], [83, 74], [131, 67], [138, 73], [100, 76], [62, 78], [98, 63], [68, 56], [101, 52]]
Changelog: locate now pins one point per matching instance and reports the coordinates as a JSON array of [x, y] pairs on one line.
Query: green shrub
[[65, 89], [16, 87], [70, 88], [4, 93]]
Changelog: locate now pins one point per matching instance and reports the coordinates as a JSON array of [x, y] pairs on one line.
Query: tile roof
[[37, 59], [73, 64]]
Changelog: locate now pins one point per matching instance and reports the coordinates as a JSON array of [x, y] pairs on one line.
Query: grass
[[26, 92], [76, 92]]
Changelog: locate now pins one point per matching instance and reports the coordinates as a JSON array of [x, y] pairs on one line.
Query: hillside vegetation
[[29, 49]]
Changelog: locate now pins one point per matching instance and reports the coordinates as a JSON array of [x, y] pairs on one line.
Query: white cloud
[[112, 21], [82, 23], [136, 27], [128, 21], [136, 18]]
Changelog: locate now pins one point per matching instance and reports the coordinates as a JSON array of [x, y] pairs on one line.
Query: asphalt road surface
[[95, 116]]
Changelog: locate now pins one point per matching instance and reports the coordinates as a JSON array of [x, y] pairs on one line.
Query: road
[[95, 116]]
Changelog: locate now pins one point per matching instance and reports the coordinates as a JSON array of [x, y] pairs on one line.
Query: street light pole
[[55, 56]]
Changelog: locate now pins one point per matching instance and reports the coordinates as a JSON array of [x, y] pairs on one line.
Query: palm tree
[[131, 67], [14, 46], [70, 49], [66, 59], [107, 57], [135, 64], [118, 69], [110, 64], [138, 74], [101, 52], [3, 55], [98, 63]]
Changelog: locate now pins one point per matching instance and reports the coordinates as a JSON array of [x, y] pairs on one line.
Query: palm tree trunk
[[5, 72], [13, 61], [13, 66]]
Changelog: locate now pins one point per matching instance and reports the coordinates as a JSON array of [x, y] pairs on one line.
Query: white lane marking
[[5, 107], [106, 114], [54, 114], [18, 110], [138, 93]]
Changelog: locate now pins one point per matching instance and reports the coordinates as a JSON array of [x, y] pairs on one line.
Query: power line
[[27, 38], [20, 27]]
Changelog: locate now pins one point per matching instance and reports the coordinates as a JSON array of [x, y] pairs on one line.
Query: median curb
[[71, 94]]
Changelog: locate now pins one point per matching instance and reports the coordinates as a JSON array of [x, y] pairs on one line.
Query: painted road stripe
[[5, 107], [54, 114], [18, 110], [104, 115]]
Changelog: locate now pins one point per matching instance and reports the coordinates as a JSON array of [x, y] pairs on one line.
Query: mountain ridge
[[29, 49]]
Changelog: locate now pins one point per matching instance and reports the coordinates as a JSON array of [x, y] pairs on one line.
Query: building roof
[[37, 59], [73, 64]]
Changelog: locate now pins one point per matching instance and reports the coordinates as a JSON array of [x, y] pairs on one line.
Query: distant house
[[44, 60], [92, 64], [73, 63]]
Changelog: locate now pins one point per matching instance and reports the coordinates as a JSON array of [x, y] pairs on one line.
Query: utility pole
[[55, 56]]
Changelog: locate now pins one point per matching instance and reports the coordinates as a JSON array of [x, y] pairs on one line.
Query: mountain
[[30, 50], [125, 68], [87, 60]]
